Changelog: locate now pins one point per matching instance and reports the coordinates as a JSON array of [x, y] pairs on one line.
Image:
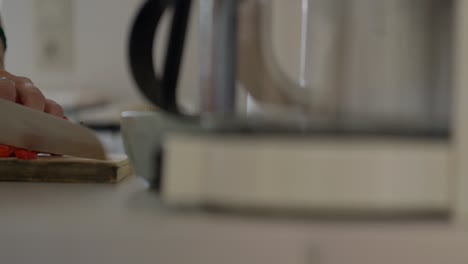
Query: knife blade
[[26, 128]]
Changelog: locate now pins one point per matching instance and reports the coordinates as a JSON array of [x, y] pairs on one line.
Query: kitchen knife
[[29, 129]]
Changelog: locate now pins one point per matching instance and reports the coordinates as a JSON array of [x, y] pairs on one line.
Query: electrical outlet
[[54, 35]]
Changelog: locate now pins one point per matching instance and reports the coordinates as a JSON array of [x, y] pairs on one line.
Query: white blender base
[[321, 174]]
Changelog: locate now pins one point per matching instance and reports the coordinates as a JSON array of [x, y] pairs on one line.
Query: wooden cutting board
[[64, 169]]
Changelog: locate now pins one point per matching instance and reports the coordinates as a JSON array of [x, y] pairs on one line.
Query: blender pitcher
[[382, 64], [365, 65]]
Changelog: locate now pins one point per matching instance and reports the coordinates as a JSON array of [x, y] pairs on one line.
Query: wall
[[99, 29]]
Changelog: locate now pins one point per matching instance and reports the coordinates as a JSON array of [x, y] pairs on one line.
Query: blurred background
[[391, 59], [388, 61], [76, 50], [76, 53], [71, 49]]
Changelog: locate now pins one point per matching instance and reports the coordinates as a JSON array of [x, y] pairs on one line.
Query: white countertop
[[125, 223]]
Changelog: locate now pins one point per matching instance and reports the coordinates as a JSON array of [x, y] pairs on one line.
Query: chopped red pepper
[[5, 151], [25, 154]]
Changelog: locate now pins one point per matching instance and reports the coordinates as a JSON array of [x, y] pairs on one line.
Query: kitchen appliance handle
[[160, 90], [259, 71], [295, 91]]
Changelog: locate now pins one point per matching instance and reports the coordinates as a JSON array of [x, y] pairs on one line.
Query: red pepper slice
[[5, 151], [25, 154]]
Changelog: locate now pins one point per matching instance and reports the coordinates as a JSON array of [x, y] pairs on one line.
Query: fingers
[[53, 108], [29, 95], [23, 91]]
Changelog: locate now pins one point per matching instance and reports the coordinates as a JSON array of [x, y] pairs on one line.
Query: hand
[[23, 91]]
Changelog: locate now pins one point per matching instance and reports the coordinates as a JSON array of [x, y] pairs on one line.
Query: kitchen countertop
[[126, 223]]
